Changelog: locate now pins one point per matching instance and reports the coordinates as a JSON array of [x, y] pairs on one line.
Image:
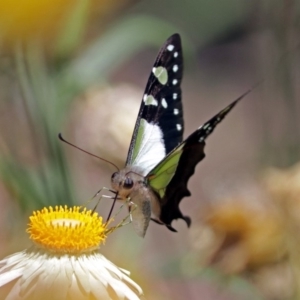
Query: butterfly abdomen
[[132, 188]]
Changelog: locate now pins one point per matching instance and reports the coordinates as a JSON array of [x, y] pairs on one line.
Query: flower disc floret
[[67, 230]]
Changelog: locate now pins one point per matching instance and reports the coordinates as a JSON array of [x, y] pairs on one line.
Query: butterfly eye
[[114, 175], [128, 183]]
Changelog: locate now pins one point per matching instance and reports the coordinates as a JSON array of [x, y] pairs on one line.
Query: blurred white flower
[[103, 123]]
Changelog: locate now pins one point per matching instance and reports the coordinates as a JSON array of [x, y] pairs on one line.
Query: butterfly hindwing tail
[[192, 152]]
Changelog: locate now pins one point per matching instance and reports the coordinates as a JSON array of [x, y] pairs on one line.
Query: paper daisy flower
[[65, 263]]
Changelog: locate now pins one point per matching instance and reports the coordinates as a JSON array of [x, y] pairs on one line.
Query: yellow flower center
[[68, 230]]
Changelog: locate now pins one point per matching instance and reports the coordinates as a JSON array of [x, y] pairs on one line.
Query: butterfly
[[159, 162]]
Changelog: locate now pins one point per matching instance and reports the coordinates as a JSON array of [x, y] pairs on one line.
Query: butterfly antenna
[[65, 141]]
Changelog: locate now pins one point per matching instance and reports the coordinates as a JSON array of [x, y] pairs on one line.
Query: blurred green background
[[80, 68]]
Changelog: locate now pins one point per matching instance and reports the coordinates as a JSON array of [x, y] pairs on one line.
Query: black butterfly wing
[[182, 162], [159, 126]]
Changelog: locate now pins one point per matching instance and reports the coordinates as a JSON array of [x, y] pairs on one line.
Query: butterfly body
[[142, 200], [159, 162]]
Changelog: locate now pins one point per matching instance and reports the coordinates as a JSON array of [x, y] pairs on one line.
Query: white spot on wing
[[175, 68], [149, 100], [175, 96], [175, 54], [176, 111], [174, 82], [170, 47], [179, 127], [164, 103], [151, 149]]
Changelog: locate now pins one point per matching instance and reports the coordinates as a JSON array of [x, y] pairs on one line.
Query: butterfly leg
[[131, 207], [97, 194], [106, 189], [101, 197], [105, 196]]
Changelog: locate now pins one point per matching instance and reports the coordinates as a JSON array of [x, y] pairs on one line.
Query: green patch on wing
[[161, 74], [139, 139], [161, 175]]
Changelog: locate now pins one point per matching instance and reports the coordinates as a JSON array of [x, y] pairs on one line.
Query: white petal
[[10, 276], [37, 275]]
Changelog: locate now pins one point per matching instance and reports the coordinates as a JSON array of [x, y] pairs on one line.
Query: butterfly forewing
[[159, 126]]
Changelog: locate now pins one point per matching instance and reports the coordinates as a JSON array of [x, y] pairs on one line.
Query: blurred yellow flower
[[65, 262], [284, 188], [236, 237], [22, 20], [262, 241]]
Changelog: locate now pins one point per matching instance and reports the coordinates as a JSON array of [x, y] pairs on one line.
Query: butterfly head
[[124, 181]]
